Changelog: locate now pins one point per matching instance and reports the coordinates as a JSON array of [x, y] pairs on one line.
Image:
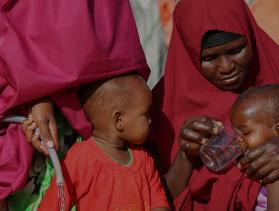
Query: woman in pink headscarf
[[216, 52], [48, 49]]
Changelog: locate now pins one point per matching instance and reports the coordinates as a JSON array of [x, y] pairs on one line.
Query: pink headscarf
[[47, 48], [187, 93]]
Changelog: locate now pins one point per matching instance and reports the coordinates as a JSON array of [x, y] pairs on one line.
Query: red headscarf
[[47, 47], [188, 93]]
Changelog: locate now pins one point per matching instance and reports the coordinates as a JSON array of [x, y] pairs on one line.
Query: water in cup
[[221, 151]]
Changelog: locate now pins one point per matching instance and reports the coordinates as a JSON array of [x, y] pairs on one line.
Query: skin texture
[[127, 121], [253, 122], [252, 119], [119, 110], [218, 63], [127, 116], [226, 66], [41, 115]]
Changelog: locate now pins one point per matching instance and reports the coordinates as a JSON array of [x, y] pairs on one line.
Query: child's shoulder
[[82, 148], [141, 152]]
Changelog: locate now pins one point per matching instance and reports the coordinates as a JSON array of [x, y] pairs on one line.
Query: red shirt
[[93, 181]]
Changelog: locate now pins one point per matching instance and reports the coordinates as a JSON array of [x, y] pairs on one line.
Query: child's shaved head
[[264, 100], [101, 98]]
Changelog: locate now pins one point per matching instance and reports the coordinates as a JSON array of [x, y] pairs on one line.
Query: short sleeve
[[157, 193]]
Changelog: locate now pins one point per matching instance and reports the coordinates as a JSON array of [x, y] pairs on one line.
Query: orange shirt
[[95, 182]]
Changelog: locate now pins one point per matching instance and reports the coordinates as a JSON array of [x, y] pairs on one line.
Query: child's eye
[[246, 133], [146, 114]]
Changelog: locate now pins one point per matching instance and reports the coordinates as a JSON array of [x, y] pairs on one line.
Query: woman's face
[[226, 66]]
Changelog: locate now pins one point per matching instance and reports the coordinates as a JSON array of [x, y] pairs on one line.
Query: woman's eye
[[236, 50], [208, 58]]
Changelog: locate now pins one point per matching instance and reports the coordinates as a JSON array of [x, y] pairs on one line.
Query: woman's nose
[[225, 64]]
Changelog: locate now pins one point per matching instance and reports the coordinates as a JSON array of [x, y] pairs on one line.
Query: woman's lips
[[231, 80]]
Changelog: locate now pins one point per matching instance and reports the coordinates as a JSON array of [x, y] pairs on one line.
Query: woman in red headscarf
[[49, 48], [216, 51]]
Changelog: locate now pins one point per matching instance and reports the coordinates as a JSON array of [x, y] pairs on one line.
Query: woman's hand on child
[[196, 131], [263, 162], [42, 114]]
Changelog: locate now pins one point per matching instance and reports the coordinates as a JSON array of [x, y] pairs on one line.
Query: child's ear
[[118, 120], [275, 129]]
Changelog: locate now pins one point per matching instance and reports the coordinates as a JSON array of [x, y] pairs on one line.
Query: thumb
[[54, 133], [46, 134]]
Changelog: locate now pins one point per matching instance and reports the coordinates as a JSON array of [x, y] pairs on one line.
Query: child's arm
[[273, 196], [178, 176]]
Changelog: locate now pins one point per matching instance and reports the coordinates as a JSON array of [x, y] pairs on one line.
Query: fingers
[[45, 132], [54, 133], [251, 155], [256, 169], [37, 144], [194, 136], [271, 177], [204, 126], [29, 127], [262, 171], [196, 132], [32, 134], [190, 148], [43, 115]]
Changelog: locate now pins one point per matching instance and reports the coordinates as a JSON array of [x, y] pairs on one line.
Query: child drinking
[[110, 171], [255, 116]]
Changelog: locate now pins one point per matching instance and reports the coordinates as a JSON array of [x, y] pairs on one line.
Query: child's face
[[137, 118], [250, 122]]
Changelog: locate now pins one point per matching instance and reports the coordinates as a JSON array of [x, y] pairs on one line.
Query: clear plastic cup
[[221, 151]]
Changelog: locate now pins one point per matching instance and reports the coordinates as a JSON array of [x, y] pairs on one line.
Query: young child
[[255, 116], [110, 171]]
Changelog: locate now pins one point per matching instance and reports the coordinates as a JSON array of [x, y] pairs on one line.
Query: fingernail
[[37, 132], [220, 124], [215, 130], [238, 165], [204, 141], [260, 181], [41, 148], [50, 144]]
